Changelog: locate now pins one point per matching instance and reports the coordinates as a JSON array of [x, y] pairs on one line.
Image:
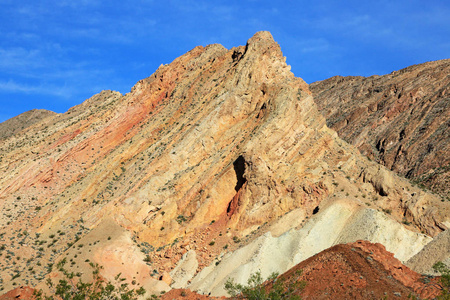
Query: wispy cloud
[[78, 4], [319, 45], [14, 87], [17, 58]]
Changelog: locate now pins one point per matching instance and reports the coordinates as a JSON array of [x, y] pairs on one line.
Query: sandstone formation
[[401, 120], [210, 153], [359, 270]]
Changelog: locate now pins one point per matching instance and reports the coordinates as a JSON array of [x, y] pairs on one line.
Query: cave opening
[[239, 169]]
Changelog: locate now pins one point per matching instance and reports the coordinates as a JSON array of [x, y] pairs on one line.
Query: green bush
[[73, 288], [445, 279], [276, 289]]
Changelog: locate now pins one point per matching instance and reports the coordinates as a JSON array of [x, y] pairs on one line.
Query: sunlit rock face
[[208, 153]]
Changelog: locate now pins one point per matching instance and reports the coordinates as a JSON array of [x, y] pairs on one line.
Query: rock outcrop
[[210, 152], [23, 292], [359, 270], [401, 120]]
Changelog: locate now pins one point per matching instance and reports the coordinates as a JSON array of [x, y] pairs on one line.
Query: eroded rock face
[[205, 154], [342, 221], [401, 120], [23, 292]]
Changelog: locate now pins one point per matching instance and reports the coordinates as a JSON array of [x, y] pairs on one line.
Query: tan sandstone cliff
[[211, 152]]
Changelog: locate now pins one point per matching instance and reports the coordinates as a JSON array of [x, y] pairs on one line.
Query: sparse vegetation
[[181, 219], [387, 211], [73, 288], [255, 289], [445, 280]]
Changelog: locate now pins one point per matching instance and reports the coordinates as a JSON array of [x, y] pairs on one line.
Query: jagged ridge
[[401, 119]]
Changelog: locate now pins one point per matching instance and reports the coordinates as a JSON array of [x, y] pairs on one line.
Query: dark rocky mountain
[[401, 120]]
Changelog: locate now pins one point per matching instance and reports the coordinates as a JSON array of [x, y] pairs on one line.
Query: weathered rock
[[217, 145], [23, 292], [359, 270], [401, 120], [342, 221], [165, 277], [184, 270]]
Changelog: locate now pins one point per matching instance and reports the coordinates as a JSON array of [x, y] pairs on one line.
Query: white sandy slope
[[342, 221]]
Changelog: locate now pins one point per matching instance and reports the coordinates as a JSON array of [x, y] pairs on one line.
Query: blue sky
[[56, 54]]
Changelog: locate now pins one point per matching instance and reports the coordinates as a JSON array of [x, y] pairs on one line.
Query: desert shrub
[[71, 287], [445, 279], [181, 219], [276, 289]]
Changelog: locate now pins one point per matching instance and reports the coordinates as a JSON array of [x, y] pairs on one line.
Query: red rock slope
[[23, 292], [360, 270]]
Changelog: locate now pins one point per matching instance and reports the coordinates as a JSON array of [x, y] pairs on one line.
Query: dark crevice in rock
[[239, 168], [261, 111], [316, 210], [237, 55]]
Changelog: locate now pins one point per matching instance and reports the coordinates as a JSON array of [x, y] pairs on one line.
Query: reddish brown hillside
[[360, 270], [401, 119], [23, 292]]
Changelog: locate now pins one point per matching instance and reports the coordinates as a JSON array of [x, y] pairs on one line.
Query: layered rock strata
[[206, 155]]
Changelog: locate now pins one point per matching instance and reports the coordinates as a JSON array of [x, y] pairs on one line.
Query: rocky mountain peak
[[206, 163], [263, 42]]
